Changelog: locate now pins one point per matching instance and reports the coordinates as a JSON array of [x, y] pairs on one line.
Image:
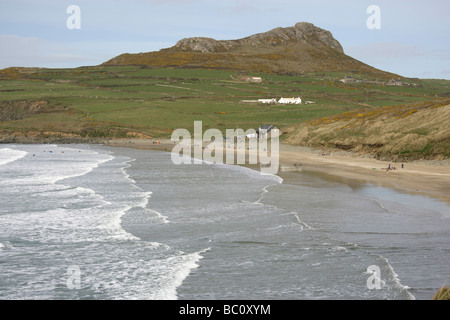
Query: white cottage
[[290, 100], [256, 79], [269, 101]]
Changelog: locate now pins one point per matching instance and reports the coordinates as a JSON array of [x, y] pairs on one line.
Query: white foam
[[89, 165], [163, 218], [263, 192], [48, 166], [8, 155], [110, 225], [82, 218], [181, 271], [143, 195], [123, 169], [71, 213], [338, 248], [300, 222], [130, 276], [254, 172], [396, 280], [68, 226]]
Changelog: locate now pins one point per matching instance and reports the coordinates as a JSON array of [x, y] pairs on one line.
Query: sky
[[407, 37]]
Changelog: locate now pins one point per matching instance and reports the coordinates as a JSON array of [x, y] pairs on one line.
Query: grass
[[442, 294], [417, 130], [155, 101]]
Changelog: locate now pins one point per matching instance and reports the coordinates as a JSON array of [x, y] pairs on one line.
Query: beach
[[430, 178], [344, 212], [104, 222]]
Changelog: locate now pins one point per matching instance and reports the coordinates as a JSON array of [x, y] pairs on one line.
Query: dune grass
[[442, 294]]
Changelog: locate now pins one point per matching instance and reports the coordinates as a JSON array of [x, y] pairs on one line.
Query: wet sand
[[430, 178]]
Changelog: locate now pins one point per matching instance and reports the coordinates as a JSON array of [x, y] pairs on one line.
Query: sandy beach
[[421, 177], [430, 178]]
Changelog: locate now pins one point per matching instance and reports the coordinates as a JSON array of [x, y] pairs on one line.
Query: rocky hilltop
[[292, 50], [303, 32]]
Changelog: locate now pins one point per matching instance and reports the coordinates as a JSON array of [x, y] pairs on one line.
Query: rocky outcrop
[[292, 50], [204, 45], [303, 31]]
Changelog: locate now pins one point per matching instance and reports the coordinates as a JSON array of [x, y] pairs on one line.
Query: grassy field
[[109, 102]]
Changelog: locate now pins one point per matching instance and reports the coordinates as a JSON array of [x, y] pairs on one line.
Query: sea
[[93, 222]]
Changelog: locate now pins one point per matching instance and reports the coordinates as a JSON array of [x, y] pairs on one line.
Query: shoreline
[[429, 178]]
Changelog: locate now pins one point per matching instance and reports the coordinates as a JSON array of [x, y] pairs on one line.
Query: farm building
[[269, 101], [348, 79], [255, 79], [395, 82], [290, 100], [252, 79]]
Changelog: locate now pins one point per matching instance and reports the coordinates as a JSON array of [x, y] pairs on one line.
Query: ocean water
[[94, 222]]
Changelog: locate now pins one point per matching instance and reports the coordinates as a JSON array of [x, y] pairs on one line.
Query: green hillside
[[99, 103]]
